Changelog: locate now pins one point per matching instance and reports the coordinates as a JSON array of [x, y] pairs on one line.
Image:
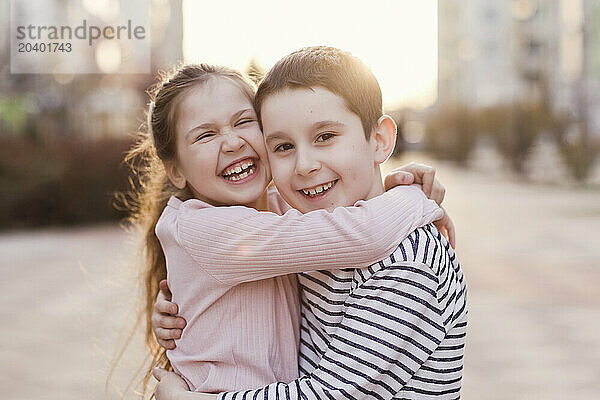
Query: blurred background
[[501, 96]]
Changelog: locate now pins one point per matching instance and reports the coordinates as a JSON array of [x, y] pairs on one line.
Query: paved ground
[[530, 253]]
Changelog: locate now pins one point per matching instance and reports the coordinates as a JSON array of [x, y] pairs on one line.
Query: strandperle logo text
[[83, 31]]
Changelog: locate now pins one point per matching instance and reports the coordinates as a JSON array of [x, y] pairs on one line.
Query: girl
[[202, 159]]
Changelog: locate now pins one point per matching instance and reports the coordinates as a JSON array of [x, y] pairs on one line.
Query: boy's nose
[[306, 165]]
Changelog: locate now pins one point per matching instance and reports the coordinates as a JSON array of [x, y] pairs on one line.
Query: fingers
[[166, 344], [167, 334], [422, 174], [427, 179], [164, 289], [438, 192], [398, 177], [158, 373], [446, 228], [166, 307], [167, 321]]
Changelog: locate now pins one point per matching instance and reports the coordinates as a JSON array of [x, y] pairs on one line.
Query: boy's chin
[[306, 206]]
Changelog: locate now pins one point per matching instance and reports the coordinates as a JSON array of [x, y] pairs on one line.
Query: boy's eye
[[325, 136], [283, 147]]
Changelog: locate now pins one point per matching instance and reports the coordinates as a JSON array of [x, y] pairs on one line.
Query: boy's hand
[[170, 385], [165, 324], [421, 174]]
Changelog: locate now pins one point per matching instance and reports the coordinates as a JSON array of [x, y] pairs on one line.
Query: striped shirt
[[393, 330]]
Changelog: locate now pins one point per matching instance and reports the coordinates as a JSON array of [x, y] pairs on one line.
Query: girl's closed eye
[[245, 121], [204, 137]]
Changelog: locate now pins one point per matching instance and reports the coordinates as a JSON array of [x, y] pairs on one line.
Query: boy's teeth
[[317, 190]]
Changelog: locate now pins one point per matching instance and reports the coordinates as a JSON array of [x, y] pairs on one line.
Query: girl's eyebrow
[[241, 112], [206, 125]]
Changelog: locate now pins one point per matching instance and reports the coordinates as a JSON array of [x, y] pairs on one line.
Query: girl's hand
[[424, 175], [421, 174], [165, 324], [446, 228]]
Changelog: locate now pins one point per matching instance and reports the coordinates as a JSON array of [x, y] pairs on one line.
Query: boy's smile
[[317, 150]]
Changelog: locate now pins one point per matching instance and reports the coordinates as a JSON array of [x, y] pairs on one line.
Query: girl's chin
[[248, 195]]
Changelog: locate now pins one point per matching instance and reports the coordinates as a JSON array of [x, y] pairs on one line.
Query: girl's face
[[220, 148]]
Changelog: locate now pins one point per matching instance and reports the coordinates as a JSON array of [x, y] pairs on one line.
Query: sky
[[397, 39]]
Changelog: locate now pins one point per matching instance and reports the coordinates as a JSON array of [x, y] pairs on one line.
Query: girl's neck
[[261, 204]]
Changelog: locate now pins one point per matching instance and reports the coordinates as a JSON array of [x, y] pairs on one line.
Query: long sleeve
[[392, 325], [239, 244]]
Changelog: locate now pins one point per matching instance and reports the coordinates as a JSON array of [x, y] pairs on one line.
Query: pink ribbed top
[[231, 273]]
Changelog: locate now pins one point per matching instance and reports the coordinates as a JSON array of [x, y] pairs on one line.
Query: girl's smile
[[242, 171], [220, 149]]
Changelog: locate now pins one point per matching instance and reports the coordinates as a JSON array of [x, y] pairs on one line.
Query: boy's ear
[[384, 135], [175, 175]]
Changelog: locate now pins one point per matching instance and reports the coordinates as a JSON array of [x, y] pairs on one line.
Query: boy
[[397, 328]]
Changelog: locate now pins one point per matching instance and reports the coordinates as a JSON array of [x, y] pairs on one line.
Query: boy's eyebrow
[[209, 125], [328, 124], [273, 136], [317, 125]]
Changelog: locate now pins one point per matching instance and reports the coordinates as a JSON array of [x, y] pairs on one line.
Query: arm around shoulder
[[238, 244]]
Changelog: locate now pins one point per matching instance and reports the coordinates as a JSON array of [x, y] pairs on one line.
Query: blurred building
[[591, 72], [89, 105], [494, 52]]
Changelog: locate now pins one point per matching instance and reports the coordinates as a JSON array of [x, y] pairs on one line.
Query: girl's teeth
[[243, 175], [239, 168]]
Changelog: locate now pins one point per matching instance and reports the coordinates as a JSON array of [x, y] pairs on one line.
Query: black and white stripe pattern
[[393, 330]]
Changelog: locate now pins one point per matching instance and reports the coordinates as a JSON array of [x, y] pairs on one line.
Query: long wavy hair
[[155, 145]]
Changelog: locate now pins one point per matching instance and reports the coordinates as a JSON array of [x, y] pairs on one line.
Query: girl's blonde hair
[[151, 187]]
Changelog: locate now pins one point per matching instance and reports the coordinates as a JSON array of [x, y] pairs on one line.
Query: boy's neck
[[377, 188]]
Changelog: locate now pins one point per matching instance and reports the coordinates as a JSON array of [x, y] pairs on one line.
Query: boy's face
[[317, 150]]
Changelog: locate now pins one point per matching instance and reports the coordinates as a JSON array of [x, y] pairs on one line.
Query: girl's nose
[[233, 143]]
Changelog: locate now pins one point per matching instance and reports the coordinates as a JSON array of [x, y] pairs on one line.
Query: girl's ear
[[384, 136], [175, 175]]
